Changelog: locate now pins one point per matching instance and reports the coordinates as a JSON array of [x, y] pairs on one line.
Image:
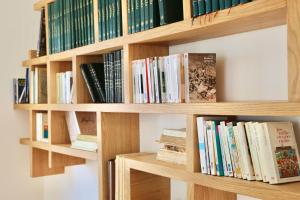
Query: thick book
[[235, 2], [202, 7], [170, 11], [283, 152], [200, 77], [42, 48], [172, 156]]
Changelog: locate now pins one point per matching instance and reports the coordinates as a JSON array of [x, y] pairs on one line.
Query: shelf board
[[147, 163], [247, 17], [35, 61], [60, 148], [263, 108], [41, 4]]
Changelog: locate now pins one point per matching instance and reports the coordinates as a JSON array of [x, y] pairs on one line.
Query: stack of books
[[147, 14], [41, 125], [110, 19], [71, 24], [174, 146], [104, 81], [85, 142], [189, 78], [262, 151], [64, 87], [202, 7]]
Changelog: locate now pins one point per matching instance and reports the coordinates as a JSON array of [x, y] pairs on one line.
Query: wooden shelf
[[64, 149], [147, 163], [263, 108], [41, 4], [251, 16]]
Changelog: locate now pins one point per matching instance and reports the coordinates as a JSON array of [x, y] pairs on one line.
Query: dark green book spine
[[142, 13], [69, 23], [228, 4], [162, 12], [132, 7], [110, 19], [151, 25], [85, 22], [137, 15], [119, 18], [88, 22], [147, 15], [49, 7], [100, 20], [195, 8], [73, 31], [55, 28], [156, 17], [208, 6], [82, 17], [115, 21], [215, 5], [244, 1], [235, 2], [92, 21], [77, 36], [129, 16], [62, 26], [201, 4], [106, 77], [80, 36], [222, 4], [107, 19], [103, 20]]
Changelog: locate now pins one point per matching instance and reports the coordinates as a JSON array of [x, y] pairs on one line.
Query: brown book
[[87, 123], [200, 77], [41, 74]]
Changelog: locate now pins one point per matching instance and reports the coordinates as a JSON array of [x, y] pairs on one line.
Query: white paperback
[[226, 148], [211, 148], [239, 152], [73, 126]]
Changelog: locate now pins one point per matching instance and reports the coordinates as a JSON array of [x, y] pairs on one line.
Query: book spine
[[50, 28], [87, 82], [88, 22], [92, 23], [107, 19], [235, 2], [208, 6], [239, 153], [195, 8], [142, 14], [129, 16], [228, 4], [215, 5], [161, 12], [244, 1], [96, 83], [111, 77], [218, 153], [201, 142], [119, 18], [133, 13], [222, 4], [106, 83], [211, 149], [147, 15], [113, 19], [137, 15]]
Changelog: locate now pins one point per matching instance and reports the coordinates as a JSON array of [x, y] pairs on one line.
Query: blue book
[[208, 6]]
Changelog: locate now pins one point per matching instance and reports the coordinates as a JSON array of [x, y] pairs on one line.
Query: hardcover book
[[200, 77]]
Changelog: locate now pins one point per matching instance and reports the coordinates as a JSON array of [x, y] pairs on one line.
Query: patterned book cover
[[284, 151], [200, 77]]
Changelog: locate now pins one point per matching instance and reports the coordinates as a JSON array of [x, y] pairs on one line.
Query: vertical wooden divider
[[198, 192], [293, 23], [187, 9], [96, 23], [118, 133], [124, 17]]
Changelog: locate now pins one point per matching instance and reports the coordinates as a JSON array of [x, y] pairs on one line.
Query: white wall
[[18, 34]]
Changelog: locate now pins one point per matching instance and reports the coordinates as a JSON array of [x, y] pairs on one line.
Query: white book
[[262, 156], [39, 126], [134, 82], [201, 127], [248, 171], [63, 87], [69, 83], [253, 150], [150, 80], [283, 152], [57, 88], [145, 83], [168, 75], [239, 153], [226, 148], [162, 74], [211, 148], [72, 124], [175, 132], [221, 135], [156, 80], [141, 91], [36, 83]]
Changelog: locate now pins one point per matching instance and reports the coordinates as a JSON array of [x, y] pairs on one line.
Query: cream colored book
[[283, 150]]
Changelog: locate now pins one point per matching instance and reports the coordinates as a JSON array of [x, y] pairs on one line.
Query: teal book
[[84, 16], [79, 23], [244, 1], [100, 20], [114, 21], [146, 10], [88, 22], [201, 4], [129, 16], [235, 2], [50, 28], [92, 21], [119, 18], [71, 24], [208, 6], [222, 4], [195, 8], [170, 11], [137, 15], [103, 21], [142, 15], [132, 7], [154, 14], [228, 4], [219, 160], [215, 5], [106, 19]]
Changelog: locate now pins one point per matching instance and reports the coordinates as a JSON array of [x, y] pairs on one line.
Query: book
[[222, 4], [41, 127], [202, 7], [208, 6], [170, 11], [40, 85], [42, 48], [283, 152], [172, 140], [73, 126], [195, 8], [181, 133], [171, 156], [218, 151], [228, 4], [200, 77], [215, 5], [235, 2], [226, 147]]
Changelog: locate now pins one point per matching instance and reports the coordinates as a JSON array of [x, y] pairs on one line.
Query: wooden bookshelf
[[118, 124]]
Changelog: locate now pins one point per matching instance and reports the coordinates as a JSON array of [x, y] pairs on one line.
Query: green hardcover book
[[56, 30], [50, 28], [110, 21], [146, 10], [80, 36], [235, 2], [228, 4], [132, 7], [68, 43], [142, 13], [195, 8], [201, 4], [244, 1], [215, 5], [129, 16], [222, 4], [119, 18], [82, 21], [62, 26], [208, 6], [170, 11], [71, 23], [137, 15], [58, 25], [77, 24], [154, 13], [107, 19], [115, 20], [92, 22], [54, 27], [88, 21], [85, 22], [100, 20]]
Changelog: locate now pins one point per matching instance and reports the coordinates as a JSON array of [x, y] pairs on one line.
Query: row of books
[[147, 14], [71, 24], [189, 77], [41, 126], [262, 151], [173, 148], [104, 81], [202, 7], [64, 87], [110, 19]]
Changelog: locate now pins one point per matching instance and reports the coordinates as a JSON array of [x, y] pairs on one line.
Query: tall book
[[40, 85], [170, 11], [42, 48]]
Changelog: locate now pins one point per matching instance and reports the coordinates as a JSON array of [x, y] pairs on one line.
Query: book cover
[[202, 7], [41, 74], [211, 147], [221, 135], [170, 11], [225, 141], [215, 5], [228, 4], [208, 6], [235, 2], [200, 77], [42, 48], [284, 154], [218, 151], [195, 8], [222, 4], [72, 125]]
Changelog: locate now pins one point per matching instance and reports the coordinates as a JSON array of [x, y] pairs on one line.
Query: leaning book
[[283, 152]]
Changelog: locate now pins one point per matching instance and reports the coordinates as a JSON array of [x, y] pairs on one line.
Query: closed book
[[221, 4], [92, 21], [137, 15], [42, 48], [215, 5], [147, 15], [170, 11], [244, 1], [132, 17], [154, 18], [41, 83], [228, 4], [202, 7], [119, 31], [218, 151], [221, 135], [239, 152], [225, 141], [235, 2], [208, 6], [107, 19], [175, 132], [171, 156], [211, 148], [283, 152], [72, 125], [200, 77], [97, 74], [21, 89], [195, 8], [142, 14], [173, 141], [88, 81], [87, 138], [129, 16]]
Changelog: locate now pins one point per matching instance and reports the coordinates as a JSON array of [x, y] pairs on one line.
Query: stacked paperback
[[174, 146], [265, 151], [104, 81], [110, 19], [64, 87], [82, 130], [147, 14], [202, 7], [71, 24], [41, 125], [189, 78]]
